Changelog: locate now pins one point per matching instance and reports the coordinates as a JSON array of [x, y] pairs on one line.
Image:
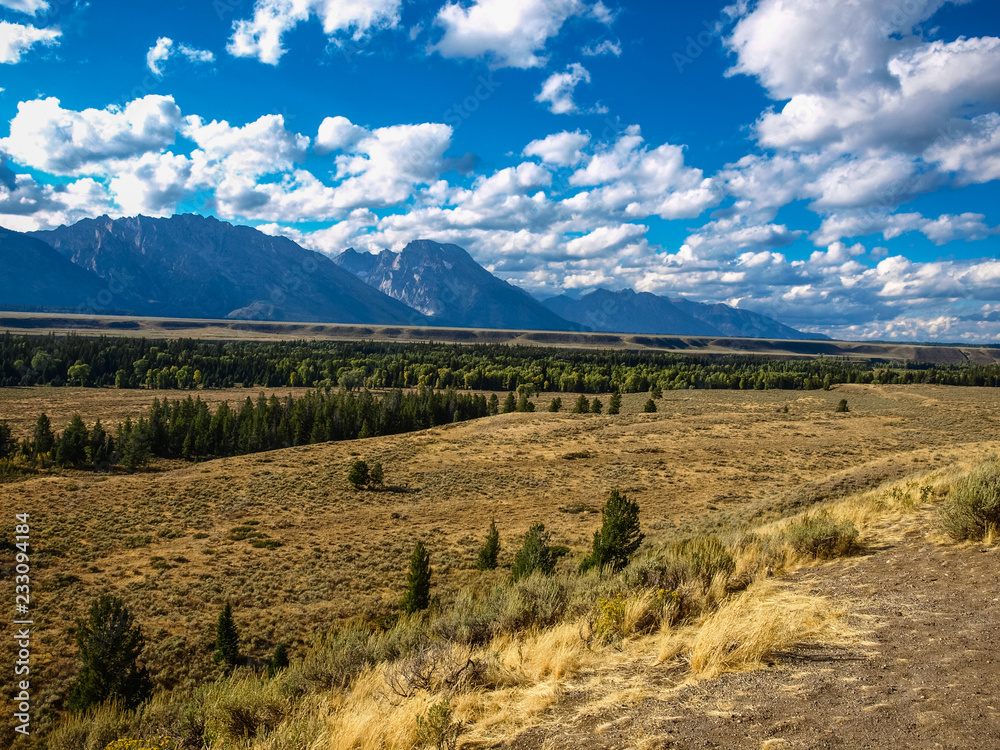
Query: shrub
[[110, 644], [418, 581], [535, 554], [699, 559], [278, 660], [842, 407], [439, 729], [488, 553], [819, 536], [359, 474], [619, 536], [972, 507], [377, 475]]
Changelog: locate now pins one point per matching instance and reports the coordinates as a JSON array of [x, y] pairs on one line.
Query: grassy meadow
[[301, 555]]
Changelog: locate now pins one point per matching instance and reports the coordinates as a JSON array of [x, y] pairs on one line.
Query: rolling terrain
[[166, 540]]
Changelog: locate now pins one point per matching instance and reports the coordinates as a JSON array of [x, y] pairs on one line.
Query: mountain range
[[199, 267]]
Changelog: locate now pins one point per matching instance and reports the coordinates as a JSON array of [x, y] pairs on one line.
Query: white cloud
[[261, 35], [261, 147], [45, 136], [26, 6], [165, 48], [942, 230], [607, 47], [380, 167], [338, 134], [510, 33], [16, 39], [26, 206], [559, 149], [557, 91]]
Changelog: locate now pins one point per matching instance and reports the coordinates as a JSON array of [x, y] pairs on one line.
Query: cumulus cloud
[[557, 90], [16, 39], [509, 33], [165, 48], [261, 35], [45, 136], [942, 230], [26, 6], [559, 149]]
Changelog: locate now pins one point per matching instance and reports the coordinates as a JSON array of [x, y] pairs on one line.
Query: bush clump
[[971, 509], [819, 536]]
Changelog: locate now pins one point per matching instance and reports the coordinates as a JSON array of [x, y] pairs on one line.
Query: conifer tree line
[[189, 428], [114, 362]]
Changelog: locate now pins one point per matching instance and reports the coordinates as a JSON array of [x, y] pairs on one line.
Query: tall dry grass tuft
[[748, 629]]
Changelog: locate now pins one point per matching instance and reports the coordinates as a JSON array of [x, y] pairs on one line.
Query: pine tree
[[490, 550], [649, 407], [43, 440], [523, 405], [6, 440], [227, 639], [556, 404], [510, 404], [842, 407], [110, 644], [596, 406], [615, 405], [71, 448], [619, 536], [535, 554], [582, 405], [359, 475], [494, 405], [418, 581], [278, 660]]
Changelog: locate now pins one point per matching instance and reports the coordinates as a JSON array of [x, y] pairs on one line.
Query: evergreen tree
[[227, 639], [596, 406], [488, 553], [535, 554], [418, 581], [649, 407], [494, 405], [42, 439], [359, 475], [655, 391], [6, 440], [582, 405], [556, 404], [615, 405], [99, 446], [523, 405], [376, 476], [842, 407], [71, 448], [619, 536], [278, 660], [510, 404], [110, 644]]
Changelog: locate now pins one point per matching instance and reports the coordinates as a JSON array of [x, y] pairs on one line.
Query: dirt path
[[927, 675]]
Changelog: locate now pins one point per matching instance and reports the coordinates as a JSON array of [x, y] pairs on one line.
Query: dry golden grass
[[707, 461]]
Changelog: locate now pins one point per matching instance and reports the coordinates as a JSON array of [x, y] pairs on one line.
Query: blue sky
[[833, 163]]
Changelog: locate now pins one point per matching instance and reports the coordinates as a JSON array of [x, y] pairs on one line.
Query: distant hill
[[627, 311], [195, 266], [445, 283]]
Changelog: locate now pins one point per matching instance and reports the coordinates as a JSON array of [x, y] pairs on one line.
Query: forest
[[113, 362]]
